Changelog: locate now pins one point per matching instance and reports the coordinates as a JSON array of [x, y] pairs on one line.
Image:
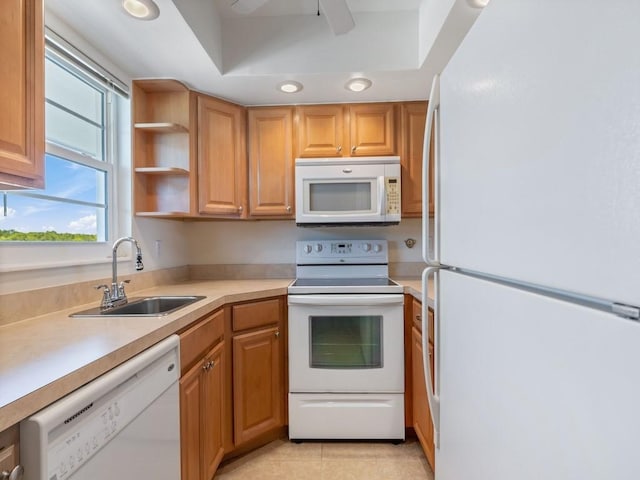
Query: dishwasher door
[[124, 425]]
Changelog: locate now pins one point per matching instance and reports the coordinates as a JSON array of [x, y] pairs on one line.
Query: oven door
[[346, 343]]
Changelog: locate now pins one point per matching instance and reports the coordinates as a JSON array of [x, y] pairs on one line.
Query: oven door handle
[[346, 300]]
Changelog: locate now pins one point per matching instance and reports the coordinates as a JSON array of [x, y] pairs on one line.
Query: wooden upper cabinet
[[271, 163], [412, 144], [222, 158], [321, 131], [21, 94], [372, 129]]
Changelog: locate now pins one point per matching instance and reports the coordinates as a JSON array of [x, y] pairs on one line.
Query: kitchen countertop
[[44, 358]]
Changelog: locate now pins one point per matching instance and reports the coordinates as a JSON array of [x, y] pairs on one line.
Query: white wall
[[263, 242], [443, 25], [203, 19], [266, 45]]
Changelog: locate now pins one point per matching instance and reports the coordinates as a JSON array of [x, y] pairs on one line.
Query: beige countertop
[[46, 357]]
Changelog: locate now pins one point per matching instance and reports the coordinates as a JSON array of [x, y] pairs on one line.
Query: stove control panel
[[341, 251]]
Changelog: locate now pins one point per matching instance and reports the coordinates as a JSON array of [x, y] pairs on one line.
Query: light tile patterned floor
[[284, 460]]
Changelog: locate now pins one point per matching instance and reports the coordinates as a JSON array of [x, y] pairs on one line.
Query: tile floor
[[284, 460]]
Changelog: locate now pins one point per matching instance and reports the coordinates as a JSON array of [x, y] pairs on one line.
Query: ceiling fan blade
[[338, 15], [247, 6]]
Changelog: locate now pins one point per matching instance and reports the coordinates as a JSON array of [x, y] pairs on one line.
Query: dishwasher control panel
[[71, 451]]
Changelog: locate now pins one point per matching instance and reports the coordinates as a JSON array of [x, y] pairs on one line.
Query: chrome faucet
[[116, 296]]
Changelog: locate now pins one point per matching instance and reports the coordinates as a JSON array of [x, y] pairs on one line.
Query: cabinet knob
[[15, 474], [277, 334], [339, 149], [240, 208], [289, 208], [353, 149], [208, 365], [419, 318]]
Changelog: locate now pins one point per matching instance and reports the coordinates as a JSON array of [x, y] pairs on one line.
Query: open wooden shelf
[[161, 127], [163, 214], [163, 137], [161, 171]]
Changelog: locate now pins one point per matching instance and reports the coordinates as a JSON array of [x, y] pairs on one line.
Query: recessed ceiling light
[[290, 86], [141, 9], [358, 84]]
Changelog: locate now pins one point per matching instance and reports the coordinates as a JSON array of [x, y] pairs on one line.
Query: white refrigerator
[[536, 244]]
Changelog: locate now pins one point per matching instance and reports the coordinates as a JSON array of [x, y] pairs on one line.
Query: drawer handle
[[353, 149], [339, 149]]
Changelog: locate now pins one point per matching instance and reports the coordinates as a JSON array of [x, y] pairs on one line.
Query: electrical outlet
[[158, 248]]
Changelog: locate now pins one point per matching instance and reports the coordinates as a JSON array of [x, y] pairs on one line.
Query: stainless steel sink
[[142, 307]]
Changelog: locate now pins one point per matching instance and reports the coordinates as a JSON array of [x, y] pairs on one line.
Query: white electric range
[[346, 343]]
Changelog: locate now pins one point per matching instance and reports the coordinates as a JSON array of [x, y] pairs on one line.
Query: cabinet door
[[271, 162], [212, 413], [190, 422], [201, 404], [258, 387], [222, 159], [321, 131], [421, 415], [372, 129], [21, 94], [412, 132], [10, 449]]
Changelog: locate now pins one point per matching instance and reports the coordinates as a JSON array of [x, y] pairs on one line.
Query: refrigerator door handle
[[431, 122], [432, 398]]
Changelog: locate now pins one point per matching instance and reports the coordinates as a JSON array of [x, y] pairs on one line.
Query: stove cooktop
[[344, 285]]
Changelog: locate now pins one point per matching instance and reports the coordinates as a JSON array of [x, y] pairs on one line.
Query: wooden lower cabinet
[[257, 384], [10, 449], [422, 423], [202, 393], [201, 401]]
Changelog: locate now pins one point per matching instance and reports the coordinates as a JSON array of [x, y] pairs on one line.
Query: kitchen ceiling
[[243, 57]]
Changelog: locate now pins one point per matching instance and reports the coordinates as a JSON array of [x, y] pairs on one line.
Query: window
[[77, 203]]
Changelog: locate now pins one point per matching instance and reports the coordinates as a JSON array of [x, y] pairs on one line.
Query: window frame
[[33, 255]]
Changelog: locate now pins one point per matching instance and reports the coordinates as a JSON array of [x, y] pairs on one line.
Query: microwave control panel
[[392, 192]]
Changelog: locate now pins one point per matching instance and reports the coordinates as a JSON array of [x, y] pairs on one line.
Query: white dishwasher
[[124, 425]]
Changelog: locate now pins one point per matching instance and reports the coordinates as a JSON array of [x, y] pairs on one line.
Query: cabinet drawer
[[197, 340], [256, 314]]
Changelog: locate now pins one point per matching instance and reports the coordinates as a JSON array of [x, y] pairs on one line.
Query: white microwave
[[354, 190]]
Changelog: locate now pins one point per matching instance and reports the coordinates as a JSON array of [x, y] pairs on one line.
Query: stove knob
[[377, 248], [366, 247], [318, 247], [307, 249]]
